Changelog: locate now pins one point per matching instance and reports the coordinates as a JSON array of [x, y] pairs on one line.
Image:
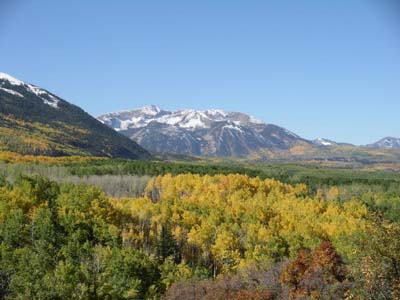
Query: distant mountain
[[386, 143], [201, 132], [323, 142], [35, 121], [328, 143]]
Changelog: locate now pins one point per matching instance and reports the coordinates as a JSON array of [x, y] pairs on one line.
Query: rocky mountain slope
[[208, 132], [35, 121], [217, 133], [386, 143]]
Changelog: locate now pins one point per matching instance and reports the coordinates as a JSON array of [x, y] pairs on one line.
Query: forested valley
[[114, 229]]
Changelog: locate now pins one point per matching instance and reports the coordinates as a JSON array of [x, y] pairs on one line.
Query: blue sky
[[318, 68]]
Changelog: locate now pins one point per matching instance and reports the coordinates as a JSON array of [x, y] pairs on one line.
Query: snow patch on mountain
[[255, 121], [51, 101], [45, 96], [193, 123], [291, 133], [232, 126], [12, 92], [322, 142]]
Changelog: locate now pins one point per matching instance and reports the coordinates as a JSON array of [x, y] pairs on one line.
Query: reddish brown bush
[[320, 274]]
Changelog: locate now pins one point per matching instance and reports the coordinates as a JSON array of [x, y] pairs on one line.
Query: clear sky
[[319, 68]]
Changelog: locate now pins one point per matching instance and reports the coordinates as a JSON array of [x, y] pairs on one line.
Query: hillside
[[35, 121]]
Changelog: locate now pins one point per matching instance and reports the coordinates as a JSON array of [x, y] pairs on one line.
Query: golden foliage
[[12, 157], [232, 220]]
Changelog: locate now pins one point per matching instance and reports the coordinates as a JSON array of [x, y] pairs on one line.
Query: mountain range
[[195, 132], [216, 132], [35, 121]]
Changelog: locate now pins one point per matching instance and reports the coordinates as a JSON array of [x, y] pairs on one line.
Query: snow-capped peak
[[216, 112], [194, 119], [10, 79], [45, 96], [151, 110], [213, 132], [189, 119]]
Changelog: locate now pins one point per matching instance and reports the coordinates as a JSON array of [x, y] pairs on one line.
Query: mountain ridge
[[211, 132], [36, 121], [215, 132], [386, 143]]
